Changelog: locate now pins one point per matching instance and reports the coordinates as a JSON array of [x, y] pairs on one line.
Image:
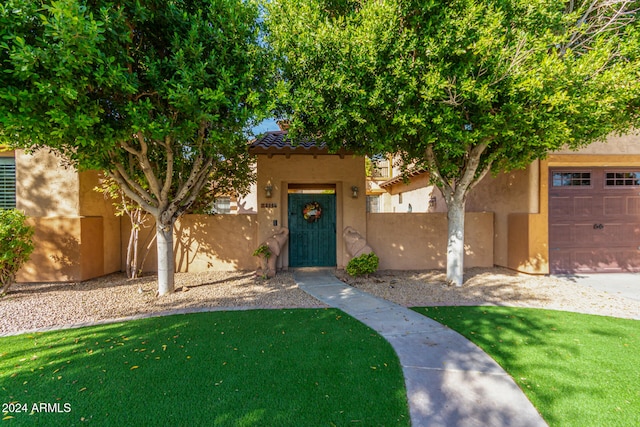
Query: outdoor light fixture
[[268, 190], [354, 192]]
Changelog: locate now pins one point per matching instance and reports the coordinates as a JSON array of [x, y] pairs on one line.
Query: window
[[222, 205], [7, 182], [571, 179], [373, 204], [622, 179], [380, 166]]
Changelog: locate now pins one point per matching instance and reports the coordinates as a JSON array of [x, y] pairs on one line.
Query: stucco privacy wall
[[93, 204], [529, 232], [343, 172], [418, 241], [77, 235], [202, 243], [504, 194]]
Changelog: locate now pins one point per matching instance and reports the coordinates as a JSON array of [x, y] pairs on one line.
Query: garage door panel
[[581, 261], [594, 225], [584, 234], [563, 234], [614, 205], [633, 205], [561, 206], [583, 206]]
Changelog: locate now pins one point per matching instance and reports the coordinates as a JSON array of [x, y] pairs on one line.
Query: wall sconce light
[[354, 192], [268, 190]]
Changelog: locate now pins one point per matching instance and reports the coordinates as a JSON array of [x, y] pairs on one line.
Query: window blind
[[7, 182]]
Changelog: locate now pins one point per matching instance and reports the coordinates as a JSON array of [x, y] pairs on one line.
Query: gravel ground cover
[[50, 305], [495, 286]]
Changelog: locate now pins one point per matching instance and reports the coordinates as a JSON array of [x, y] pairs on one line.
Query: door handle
[[598, 226]]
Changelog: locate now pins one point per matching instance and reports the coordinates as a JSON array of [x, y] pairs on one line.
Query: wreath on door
[[312, 211]]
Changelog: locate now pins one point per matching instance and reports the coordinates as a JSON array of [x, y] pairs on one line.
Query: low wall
[[528, 247], [66, 250], [203, 242], [418, 241]]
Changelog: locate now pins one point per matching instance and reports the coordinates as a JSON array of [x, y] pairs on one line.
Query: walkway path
[[450, 381]]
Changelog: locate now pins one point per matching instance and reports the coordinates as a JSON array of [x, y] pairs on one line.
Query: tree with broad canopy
[[157, 94], [459, 87]]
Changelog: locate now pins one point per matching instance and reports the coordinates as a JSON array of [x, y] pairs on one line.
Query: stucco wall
[[93, 203], [341, 172], [218, 242], [614, 145], [44, 186], [417, 193], [504, 194], [529, 233], [66, 249], [202, 243], [77, 235], [419, 241]]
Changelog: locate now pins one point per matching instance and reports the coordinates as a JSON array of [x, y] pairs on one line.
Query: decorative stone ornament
[[312, 212]]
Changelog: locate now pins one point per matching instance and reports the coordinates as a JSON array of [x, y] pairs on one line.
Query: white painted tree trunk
[[455, 242], [166, 263]]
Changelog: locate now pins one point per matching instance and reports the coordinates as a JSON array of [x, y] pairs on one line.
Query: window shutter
[[7, 182]]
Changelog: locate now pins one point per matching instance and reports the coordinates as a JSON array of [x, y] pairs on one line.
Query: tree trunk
[[455, 242], [129, 251], [166, 267]]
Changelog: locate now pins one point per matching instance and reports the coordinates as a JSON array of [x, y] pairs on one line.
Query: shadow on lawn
[[266, 368], [559, 359]]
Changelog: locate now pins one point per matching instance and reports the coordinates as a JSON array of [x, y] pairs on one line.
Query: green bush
[[15, 245], [363, 264]]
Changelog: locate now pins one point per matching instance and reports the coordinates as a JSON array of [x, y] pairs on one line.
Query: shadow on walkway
[[449, 380]]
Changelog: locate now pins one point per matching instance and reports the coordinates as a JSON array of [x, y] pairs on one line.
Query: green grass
[[243, 368], [578, 370]]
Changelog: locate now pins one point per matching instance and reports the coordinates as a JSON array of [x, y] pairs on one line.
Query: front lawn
[[577, 369], [242, 368]]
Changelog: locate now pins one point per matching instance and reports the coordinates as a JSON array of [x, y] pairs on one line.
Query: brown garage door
[[594, 220]]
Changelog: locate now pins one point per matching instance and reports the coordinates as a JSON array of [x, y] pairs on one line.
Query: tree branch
[[472, 163], [197, 188], [434, 169], [164, 194], [599, 16], [147, 169], [126, 184]]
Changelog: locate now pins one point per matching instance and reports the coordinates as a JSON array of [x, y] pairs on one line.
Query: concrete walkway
[[450, 381]]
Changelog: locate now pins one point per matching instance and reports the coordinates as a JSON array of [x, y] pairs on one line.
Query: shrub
[[363, 264], [262, 251], [15, 245]]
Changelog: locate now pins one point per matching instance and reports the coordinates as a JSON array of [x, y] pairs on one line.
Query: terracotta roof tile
[[276, 142]]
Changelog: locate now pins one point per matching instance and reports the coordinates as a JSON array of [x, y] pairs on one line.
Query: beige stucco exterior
[[528, 239], [519, 200], [418, 241], [343, 172], [202, 243], [77, 235], [66, 249]]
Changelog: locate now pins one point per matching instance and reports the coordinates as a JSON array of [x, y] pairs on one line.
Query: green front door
[[312, 240]]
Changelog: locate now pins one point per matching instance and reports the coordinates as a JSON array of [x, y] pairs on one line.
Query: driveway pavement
[[626, 285]]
